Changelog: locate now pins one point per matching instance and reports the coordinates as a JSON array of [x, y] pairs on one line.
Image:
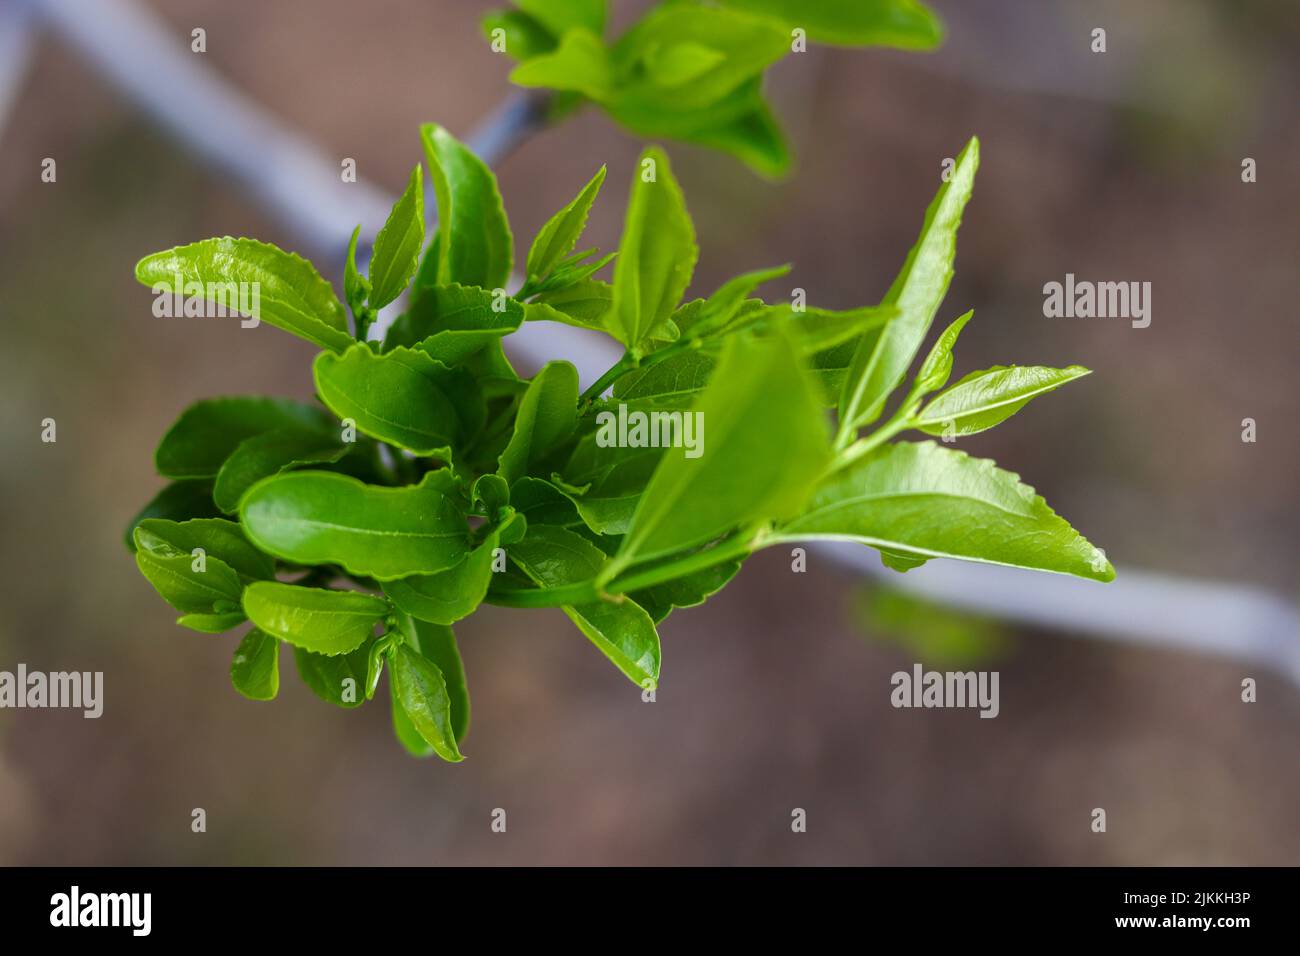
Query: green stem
[[629, 362], [612, 374]]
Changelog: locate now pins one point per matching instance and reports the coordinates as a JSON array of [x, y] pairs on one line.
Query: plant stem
[[612, 374], [629, 362]]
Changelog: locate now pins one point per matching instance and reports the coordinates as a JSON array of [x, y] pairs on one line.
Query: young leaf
[[397, 246], [657, 253], [212, 623], [882, 357], [744, 45], [560, 234], [208, 432], [269, 454], [716, 312], [173, 573], [255, 669], [421, 690], [622, 631], [560, 16], [177, 501], [937, 366], [587, 305], [317, 517], [474, 244], [217, 537], [356, 287], [281, 288], [340, 679], [926, 501], [448, 596], [984, 399], [580, 64], [403, 397], [315, 619], [764, 445], [437, 642], [904, 24], [547, 416], [451, 323], [524, 36]]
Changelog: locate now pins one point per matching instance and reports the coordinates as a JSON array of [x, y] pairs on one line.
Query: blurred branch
[[300, 183], [17, 39]]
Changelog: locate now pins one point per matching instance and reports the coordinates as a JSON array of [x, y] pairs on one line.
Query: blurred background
[[775, 695]]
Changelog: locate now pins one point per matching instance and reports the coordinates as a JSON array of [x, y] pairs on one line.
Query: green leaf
[[397, 246], [421, 690], [356, 287], [904, 24], [925, 501], [674, 383], [437, 642], [474, 242], [177, 501], [615, 478], [525, 37], [560, 234], [744, 45], [690, 590], [269, 454], [403, 397], [450, 595], [984, 399], [882, 357], [208, 432], [255, 669], [587, 305], [217, 537], [623, 631], [681, 63], [540, 502], [754, 137], [339, 680], [215, 589], [290, 293], [317, 517], [547, 417], [938, 364], [316, 619], [657, 253], [717, 311], [741, 124], [451, 323], [560, 16], [212, 623], [764, 445], [815, 330], [580, 64]]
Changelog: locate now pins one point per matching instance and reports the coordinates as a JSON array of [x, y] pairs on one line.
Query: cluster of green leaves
[[432, 478], [693, 71]]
